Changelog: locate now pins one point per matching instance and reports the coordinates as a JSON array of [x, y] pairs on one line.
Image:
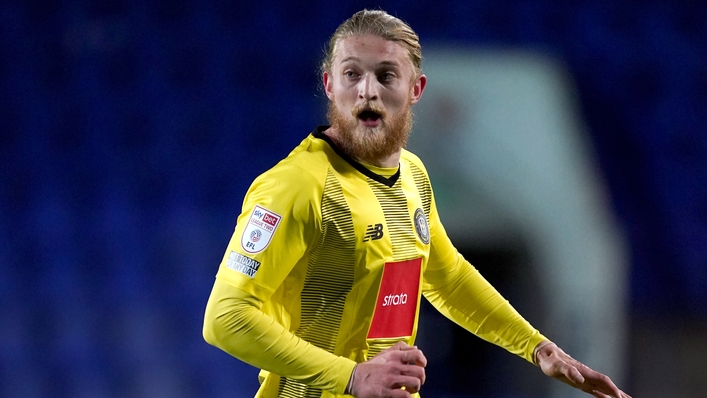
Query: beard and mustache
[[370, 144]]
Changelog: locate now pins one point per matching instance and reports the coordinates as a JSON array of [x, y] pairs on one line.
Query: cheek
[[399, 101], [401, 97], [342, 106], [340, 94]]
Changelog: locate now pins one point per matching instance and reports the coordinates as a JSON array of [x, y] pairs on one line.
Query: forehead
[[370, 49]]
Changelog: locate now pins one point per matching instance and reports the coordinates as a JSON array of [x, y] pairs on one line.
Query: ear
[[328, 83], [418, 88]]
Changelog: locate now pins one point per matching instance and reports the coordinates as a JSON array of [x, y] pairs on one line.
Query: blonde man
[[321, 283]]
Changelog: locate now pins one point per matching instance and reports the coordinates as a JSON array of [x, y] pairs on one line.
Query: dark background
[[131, 130]]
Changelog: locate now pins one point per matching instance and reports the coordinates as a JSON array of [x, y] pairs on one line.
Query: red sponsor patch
[[396, 304]]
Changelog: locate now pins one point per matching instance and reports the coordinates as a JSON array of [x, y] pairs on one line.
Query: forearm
[[234, 323], [468, 299]]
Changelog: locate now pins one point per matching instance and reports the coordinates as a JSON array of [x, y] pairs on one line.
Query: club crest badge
[[421, 227], [260, 229]]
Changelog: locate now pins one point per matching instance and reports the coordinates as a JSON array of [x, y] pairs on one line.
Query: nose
[[368, 87]]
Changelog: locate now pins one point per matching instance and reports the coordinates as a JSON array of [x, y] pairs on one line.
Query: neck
[[392, 160]]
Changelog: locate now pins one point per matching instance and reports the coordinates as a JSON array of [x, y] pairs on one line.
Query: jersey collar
[[387, 181]]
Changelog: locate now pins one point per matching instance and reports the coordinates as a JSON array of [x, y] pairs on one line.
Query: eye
[[386, 77], [350, 74]]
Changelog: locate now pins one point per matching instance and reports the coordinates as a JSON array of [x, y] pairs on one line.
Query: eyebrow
[[356, 59]]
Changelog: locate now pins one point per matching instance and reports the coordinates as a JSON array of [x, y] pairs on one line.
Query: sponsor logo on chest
[[396, 305], [395, 299]]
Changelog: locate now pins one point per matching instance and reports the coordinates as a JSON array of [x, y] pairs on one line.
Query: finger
[[415, 371], [619, 394], [600, 394], [411, 384], [398, 393], [603, 383], [400, 346], [413, 356], [571, 373]]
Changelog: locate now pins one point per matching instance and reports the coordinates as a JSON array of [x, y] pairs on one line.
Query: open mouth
[[369, 116]]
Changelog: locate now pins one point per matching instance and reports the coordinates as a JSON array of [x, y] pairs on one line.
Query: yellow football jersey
[[334, 257]]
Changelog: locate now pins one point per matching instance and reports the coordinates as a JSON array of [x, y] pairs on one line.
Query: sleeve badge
[[260, 229]]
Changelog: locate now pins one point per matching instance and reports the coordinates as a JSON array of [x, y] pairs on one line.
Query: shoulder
[[299, 176], [414, 161], [309, 160]]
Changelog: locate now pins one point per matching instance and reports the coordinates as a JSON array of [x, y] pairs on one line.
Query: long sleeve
[[462, 294], [234, 322], [468, 299]]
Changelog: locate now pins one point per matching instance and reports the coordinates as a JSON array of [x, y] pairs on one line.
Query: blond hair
[[377, 23]]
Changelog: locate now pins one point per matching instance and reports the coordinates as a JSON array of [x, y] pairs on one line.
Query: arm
[[234, 322], [463, 295], [234, 319], [472, 302]]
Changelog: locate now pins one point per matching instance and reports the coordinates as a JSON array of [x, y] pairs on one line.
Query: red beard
[[370, 144]]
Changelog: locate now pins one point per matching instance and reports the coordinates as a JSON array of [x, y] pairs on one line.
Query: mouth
[[369, 118]]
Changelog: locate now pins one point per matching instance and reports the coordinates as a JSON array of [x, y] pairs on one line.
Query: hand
[[556, 363], [384, 375]]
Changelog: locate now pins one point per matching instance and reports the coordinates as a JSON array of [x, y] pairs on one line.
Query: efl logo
[[260, 229], [396, 305]]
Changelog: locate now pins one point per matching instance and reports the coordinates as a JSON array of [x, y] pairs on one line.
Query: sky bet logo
[[267, 218], [373, 232], [395, 299]]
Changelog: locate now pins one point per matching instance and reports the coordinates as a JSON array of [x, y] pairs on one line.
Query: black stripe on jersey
[[423, 187], [387, 181]]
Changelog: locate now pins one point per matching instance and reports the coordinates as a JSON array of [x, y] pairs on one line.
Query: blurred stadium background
[[131, 130]]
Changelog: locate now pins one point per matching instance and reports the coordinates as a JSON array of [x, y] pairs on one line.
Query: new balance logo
[[373, 232]]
